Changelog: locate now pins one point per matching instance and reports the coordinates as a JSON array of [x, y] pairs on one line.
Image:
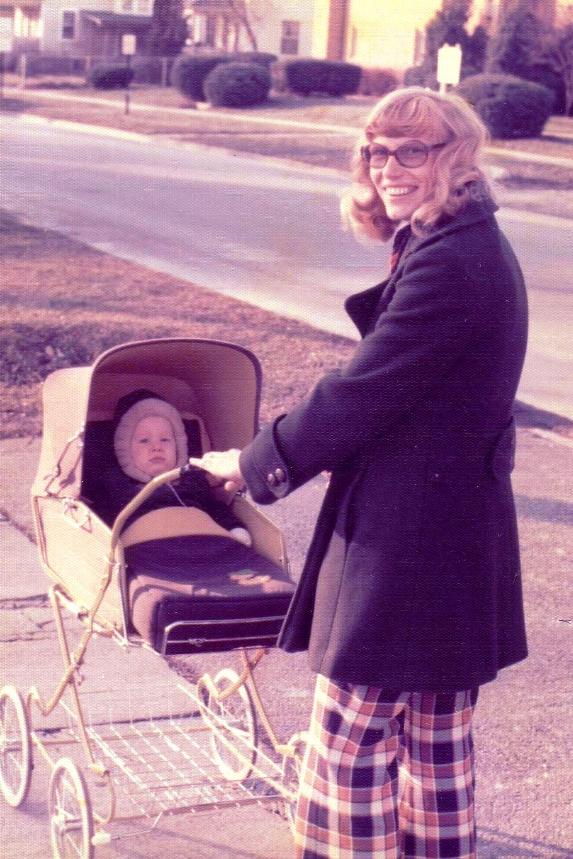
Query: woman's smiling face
[[403, 189]]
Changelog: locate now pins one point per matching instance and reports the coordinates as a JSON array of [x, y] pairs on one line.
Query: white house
[[383, 33], [72, 28]]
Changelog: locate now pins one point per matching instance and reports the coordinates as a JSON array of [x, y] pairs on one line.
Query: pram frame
[[101, 617]]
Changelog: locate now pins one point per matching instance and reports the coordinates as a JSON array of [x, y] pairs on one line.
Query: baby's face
[[153, 446]]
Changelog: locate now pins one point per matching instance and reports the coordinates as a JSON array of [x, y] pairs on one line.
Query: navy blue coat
[[412, 580]]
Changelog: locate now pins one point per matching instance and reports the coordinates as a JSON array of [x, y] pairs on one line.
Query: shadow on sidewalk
[[495, 844]]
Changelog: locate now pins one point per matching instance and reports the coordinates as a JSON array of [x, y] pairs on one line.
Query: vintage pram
[[200, 749]]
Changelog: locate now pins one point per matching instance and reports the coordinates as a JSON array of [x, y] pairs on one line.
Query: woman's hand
[[223, 465]]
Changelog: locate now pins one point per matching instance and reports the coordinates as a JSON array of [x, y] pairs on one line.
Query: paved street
[[236, 224], [264, 231]]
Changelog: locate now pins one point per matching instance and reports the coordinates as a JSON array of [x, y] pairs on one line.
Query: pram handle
[[143, 495]]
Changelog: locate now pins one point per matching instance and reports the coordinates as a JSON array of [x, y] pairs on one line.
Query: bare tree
[[240, 14], [238, 17]]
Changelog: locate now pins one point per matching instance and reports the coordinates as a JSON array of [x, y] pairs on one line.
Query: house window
[[290, 32], [68, 25]]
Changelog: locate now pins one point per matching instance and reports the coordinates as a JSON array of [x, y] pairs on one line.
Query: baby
[[150, 439]]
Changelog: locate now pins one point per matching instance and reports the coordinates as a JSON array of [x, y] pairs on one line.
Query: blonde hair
[[420, 114]]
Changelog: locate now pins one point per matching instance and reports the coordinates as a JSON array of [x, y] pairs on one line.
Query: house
[[69, 28], [379, 33], [386, 34]]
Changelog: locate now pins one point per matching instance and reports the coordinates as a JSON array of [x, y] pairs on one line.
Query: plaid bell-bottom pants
[[387, 775]]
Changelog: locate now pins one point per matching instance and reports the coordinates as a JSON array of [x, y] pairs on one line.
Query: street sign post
[[5, 46], [128, 49], [449, 66]]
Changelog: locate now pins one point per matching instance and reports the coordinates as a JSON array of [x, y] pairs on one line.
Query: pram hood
[[218, 381]]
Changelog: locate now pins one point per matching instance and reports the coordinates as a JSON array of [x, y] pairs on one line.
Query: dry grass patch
[[64, 303]]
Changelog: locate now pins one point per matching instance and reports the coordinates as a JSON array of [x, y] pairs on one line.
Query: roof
[[113, 19]]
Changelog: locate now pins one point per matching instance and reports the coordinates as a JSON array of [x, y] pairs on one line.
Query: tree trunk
[[241, 15]]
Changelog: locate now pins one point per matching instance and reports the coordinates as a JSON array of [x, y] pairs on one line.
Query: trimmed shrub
[[420, 76], [8, 61], [237, 85], [188, 73], [53, 64], [264, 59], [548, 77], [377, 81], [322, 76], [426, 77], [149, 70], [110, 77], [510, 107]]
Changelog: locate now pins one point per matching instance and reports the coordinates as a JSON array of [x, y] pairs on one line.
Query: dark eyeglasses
[[412, 154]]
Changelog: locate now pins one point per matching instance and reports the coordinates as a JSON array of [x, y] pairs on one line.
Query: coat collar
[[362, 305]]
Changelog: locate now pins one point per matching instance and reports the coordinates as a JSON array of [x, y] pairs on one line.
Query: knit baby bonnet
[[126, 427]]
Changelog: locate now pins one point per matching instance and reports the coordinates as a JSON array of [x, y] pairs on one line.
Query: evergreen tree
[[515, 48], [168, 28], [558, 54], [475, 55], [448, 26]]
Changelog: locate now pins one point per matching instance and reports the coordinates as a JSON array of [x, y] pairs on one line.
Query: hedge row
[[511, 107], [300, 76], [322, 76], [110, 77]]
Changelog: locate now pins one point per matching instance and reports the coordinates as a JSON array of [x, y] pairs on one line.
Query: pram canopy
[[237, 596], [219, 381]]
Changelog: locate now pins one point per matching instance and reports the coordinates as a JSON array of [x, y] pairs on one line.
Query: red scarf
[[400, 242]]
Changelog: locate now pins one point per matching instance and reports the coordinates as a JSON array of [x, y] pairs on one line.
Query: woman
[[410, 597]]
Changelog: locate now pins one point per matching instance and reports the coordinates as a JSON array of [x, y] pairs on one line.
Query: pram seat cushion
[[204, 593]]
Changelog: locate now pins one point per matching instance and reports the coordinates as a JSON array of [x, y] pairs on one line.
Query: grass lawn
[[64, 303], [188, 123]]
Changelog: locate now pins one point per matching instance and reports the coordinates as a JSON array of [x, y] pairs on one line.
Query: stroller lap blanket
[[205, 593]]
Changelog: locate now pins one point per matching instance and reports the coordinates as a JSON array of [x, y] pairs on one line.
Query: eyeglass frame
[[366, 155]]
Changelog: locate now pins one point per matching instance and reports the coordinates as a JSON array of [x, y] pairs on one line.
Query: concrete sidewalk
[[133, 686], [120, 687], [523, 733]]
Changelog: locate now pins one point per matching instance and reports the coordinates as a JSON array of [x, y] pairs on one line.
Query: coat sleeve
[[434, 315]]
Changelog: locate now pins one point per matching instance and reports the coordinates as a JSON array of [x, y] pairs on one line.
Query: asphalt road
[[265, 231]]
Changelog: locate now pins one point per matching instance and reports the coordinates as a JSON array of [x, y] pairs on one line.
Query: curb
[[519, 214], [207, 112]]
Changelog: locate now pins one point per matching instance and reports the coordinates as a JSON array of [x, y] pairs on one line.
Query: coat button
[[280, 475], [271, 480]]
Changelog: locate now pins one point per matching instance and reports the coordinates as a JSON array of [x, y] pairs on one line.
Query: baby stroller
[[200, 750]]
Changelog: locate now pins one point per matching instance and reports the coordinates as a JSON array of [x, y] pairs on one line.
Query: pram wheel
[[232, 722], [291, 770], [71, 816], [15, 747]]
